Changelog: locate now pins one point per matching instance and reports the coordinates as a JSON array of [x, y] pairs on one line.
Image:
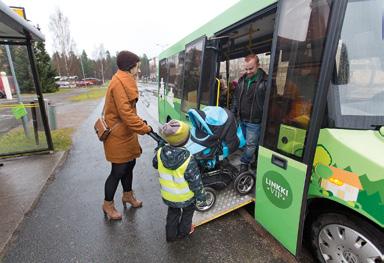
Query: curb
[[56, 168]]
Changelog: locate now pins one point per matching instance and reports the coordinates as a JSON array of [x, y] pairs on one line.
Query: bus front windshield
[[357, 93]]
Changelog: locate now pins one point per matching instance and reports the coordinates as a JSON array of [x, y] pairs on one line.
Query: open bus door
[[304, 45], [200, 65], [193, 71]]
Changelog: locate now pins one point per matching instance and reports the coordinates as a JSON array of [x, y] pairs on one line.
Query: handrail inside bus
[[218, 92]]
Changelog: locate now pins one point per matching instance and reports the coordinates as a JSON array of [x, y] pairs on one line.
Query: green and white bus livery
[[320, 166]]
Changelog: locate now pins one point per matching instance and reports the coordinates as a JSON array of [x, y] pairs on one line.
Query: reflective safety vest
[[174, 187]]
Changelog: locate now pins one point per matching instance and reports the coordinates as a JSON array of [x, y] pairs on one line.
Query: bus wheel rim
[[344, 244]]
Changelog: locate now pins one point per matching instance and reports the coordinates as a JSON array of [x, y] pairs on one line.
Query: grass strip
[[90, 94], [16, 141]]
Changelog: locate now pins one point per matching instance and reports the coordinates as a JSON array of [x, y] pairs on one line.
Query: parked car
[[83, 83], [66, 81], [94, 81], [65, 84]]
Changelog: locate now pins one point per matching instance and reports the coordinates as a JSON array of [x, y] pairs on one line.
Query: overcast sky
[[142, 26]]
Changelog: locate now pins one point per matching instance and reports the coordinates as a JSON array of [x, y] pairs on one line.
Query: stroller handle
[[156, 137]]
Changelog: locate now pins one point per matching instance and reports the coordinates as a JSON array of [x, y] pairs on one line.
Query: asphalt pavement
[[68, 225]]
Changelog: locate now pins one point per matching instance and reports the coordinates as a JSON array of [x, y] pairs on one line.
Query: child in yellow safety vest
[[180, 180]]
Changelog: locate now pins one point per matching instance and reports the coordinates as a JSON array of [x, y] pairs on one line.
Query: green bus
[[320, 167]]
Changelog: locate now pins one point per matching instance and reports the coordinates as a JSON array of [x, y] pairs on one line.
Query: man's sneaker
[[243, 167]]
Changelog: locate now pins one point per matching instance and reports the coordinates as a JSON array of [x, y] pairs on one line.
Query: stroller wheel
[[244, 183], [211, 199]]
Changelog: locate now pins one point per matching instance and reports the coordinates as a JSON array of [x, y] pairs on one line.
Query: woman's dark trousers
[[120, 172]]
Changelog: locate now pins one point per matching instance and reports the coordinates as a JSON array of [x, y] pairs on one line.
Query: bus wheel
[[244, 183], [340, 238], [210, 194], [169, 118]]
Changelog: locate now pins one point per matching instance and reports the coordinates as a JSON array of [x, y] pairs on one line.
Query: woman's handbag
[[101, 128]]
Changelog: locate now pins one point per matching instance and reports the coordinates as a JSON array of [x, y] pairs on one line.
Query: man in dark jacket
[[248, 102], [180, 180]]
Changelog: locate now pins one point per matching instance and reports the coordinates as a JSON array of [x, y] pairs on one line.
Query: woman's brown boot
[[128, 197], [110, 211]]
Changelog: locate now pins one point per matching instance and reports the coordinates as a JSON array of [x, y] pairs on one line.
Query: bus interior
[[298, 66]]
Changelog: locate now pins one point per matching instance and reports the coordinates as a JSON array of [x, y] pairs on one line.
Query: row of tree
[[84, 67], [64, 62], [68, 63]]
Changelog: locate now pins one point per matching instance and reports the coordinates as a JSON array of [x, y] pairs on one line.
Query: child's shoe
[[192, 229]]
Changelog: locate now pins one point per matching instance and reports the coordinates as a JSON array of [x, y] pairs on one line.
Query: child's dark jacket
[[172, 158]]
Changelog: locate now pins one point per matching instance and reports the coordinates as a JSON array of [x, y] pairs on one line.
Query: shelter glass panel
[[21, 125]]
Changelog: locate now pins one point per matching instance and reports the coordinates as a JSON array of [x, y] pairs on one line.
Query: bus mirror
[[342, 64]]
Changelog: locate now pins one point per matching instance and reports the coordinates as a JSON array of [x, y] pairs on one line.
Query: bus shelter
[[24, 126]]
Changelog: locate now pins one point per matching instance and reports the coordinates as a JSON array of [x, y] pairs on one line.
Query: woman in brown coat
[[122, 146]]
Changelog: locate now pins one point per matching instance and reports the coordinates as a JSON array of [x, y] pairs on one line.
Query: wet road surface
[[68, 225]]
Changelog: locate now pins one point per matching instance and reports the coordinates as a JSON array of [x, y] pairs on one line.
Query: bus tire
[[331, 233], [169, 118]]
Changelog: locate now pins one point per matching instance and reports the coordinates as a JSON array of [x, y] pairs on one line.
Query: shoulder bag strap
[[122, 84], [103, 117]]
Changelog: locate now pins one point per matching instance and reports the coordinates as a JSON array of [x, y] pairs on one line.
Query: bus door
[[304, 45], [193, 68], [208, 91]]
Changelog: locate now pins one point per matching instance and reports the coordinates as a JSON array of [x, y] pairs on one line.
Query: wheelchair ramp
[[227, 200]]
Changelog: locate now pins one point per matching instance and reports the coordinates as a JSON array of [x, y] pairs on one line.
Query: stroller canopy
[[212, 126]]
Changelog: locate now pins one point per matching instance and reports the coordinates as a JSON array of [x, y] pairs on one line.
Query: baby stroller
[[214, 136]]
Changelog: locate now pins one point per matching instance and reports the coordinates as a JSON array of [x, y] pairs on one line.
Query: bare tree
[[56, 60], [99, 55], [62, 40], [74, 64]]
